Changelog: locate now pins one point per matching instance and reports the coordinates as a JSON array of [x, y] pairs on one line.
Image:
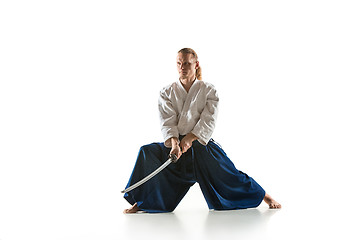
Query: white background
[[78, 97]]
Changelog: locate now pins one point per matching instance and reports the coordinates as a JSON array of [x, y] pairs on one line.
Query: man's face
[[186, 66]]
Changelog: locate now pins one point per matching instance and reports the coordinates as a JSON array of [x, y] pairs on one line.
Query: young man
[[188, 110]]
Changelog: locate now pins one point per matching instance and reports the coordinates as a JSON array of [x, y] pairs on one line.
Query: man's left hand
[[186, 142]]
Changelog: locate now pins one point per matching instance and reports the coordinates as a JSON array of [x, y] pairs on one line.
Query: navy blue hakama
[[223, 186]]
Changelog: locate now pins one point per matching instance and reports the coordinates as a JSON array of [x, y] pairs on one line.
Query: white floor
[[298, 219]]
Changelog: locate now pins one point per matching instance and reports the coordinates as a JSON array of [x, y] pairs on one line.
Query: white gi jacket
[[183, 112]]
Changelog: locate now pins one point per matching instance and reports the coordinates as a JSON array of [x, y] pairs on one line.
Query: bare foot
[[134, 209], [271, 202]]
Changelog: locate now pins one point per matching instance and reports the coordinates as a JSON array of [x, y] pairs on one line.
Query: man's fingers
[[184, 145], [177, 152], [185, 148]]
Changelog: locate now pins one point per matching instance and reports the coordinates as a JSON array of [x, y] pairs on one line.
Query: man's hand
[[175, 149], [186, 142]]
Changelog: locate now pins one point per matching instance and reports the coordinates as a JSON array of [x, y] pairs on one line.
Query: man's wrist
[[174, 141], [192, 136]]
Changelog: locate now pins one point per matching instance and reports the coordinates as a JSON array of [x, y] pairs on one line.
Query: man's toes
[[126, 211], [277, 205], [274, 205]]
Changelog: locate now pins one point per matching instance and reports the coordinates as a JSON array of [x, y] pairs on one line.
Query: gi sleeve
[[206, 124], [168, 119]]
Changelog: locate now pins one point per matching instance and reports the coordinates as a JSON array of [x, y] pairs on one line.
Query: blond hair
[[191, 51]]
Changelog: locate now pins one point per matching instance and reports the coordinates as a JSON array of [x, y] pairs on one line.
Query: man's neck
[[187, 83]]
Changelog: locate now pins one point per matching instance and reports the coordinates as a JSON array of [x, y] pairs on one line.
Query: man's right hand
[[175, 149]]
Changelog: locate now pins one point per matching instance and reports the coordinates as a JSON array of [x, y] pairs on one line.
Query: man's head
[[188, 64]]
